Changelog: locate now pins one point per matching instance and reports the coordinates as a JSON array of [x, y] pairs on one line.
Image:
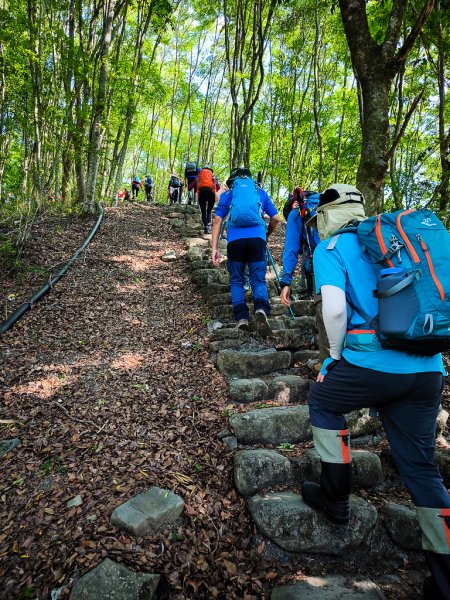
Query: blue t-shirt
[[294, 241], [238, 233], [344, 267]]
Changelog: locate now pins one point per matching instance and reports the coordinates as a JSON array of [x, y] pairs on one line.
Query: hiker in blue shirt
[[148, 184], [404, 388], [245, 204], [301, 237]]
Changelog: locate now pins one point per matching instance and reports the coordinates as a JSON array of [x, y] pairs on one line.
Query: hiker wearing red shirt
[[207, 186]]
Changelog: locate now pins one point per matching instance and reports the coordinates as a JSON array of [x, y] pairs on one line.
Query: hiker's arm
[[217, 223], [334, 310], [223, 188], [272, 224], [292, 245]]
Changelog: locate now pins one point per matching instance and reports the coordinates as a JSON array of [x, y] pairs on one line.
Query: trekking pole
[[272, 263]]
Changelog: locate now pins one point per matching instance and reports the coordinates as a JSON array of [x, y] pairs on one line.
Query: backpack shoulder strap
[[333, 241]]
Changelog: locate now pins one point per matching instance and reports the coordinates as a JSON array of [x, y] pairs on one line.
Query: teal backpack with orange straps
[[410, 251]]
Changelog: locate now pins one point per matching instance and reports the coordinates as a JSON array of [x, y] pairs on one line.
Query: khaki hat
[[338, 194]]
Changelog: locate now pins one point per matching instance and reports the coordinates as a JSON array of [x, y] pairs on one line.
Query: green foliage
[[177, 103]]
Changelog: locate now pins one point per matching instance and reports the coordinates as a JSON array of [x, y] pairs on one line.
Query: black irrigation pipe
[[45, 289]]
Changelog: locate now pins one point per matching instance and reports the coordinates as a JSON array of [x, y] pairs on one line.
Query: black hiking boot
[[336, 511], [332, 495]]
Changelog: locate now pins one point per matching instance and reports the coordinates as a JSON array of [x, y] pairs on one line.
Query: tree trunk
[[96, 128], [375, 66]]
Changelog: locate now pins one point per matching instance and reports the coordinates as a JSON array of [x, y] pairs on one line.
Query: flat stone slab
[[256, 470], [278, 425], [169, 256], [233, 363], [296, 527], [8, 445], [329, 587], [115, 582], [148, 512]]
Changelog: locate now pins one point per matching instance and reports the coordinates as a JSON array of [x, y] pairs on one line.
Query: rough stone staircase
[[271, 434]]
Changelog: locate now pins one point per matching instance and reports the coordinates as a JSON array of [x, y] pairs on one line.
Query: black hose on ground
[[45, 289]]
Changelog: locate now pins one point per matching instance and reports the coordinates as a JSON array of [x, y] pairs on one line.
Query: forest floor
[[109, 385]]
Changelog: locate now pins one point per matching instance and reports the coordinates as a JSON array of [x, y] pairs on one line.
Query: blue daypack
[[311, 204], [409, 250], [246, 207]]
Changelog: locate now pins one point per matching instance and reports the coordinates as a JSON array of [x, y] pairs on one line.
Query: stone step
[[261, 469], [292, 525], [233, 363], [278, 425], [206, 277], [290, 339], [284, 388], [296, 527], [304, 356], [329, 587], [303, 308]]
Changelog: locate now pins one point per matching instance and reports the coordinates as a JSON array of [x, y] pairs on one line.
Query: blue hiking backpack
[[311, 204], [409, 250], [246, 207]]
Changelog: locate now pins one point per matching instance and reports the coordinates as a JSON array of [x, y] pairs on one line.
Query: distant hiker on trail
[[245, 204], [135, 186], [148, 184], [127, 196], [120, 195], [207, 186], [301, 240], [366, 368], [174, 189], [191, 173]]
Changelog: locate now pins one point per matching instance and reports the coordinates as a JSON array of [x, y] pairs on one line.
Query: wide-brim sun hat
[[337, 194]]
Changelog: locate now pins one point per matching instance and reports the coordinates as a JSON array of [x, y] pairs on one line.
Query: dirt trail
[[110, 387]]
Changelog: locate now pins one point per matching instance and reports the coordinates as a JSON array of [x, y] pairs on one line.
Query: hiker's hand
[[328, 364], [216, 258], [285, 296]]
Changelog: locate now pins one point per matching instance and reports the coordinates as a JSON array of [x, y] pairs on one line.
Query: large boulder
[[279, 425], [296, 527]]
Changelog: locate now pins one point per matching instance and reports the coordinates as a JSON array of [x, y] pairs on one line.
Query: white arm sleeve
[[334, 309]]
